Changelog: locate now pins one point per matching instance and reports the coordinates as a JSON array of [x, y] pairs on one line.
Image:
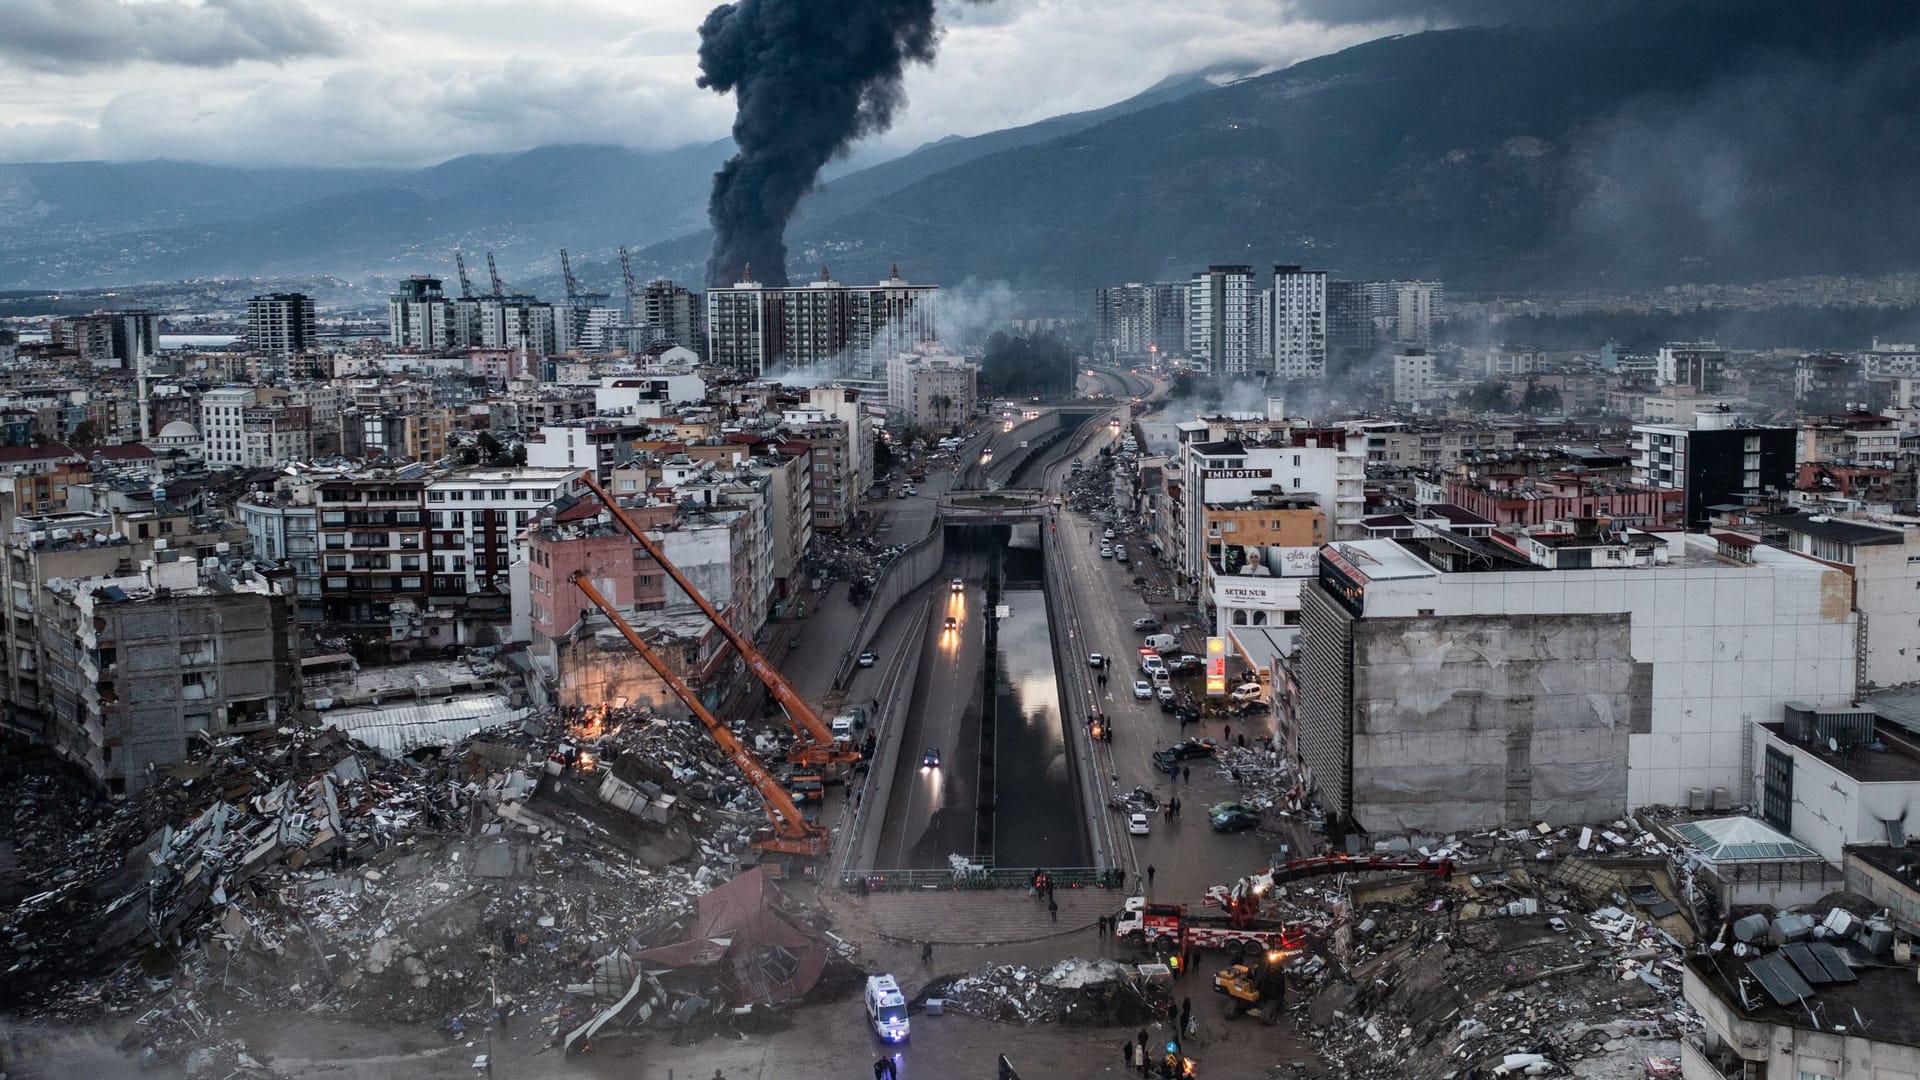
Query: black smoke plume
[[808, 77]]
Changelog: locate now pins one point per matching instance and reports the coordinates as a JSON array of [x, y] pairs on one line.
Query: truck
[[886, 1008], [1172, 930]]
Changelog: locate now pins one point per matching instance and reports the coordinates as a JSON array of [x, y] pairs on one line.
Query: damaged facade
[[143, 666]]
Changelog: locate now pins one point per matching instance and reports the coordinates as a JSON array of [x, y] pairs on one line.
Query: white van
[[842, 727], [1162, 642], [886, 1008]]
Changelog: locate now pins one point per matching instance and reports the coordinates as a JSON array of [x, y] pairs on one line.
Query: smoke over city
[[809, 77]]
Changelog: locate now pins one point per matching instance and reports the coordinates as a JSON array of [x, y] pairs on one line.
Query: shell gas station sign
[[1216, 666]]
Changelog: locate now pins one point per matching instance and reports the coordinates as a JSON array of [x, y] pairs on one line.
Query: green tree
[[1489, 396], [882, 456], [85, 433]]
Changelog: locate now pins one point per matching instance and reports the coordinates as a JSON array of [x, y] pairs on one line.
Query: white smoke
[[971, 311]]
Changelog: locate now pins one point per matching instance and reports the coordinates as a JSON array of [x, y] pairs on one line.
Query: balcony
[[1697, 1064]]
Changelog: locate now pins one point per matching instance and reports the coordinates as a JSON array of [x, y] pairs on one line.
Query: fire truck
[[1172, 930]]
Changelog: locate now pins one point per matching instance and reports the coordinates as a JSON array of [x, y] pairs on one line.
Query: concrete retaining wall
[[913, 568]]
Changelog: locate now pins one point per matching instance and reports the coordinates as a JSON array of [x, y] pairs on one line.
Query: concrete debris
[[1074, 991], [299, 866]]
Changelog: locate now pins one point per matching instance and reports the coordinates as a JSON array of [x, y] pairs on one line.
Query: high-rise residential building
[[663, 311], [109, 339], [419, 316], [1223, 320], [1298, 321], [520, 322], [1405, 311], [278, 326], [1351, 331], [1715, 462], [822, 329], [1141, 321]]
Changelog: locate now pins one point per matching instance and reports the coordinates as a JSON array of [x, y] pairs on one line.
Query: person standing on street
[[1149, 875]]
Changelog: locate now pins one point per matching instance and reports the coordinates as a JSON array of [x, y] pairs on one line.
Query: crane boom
[[566, 275], [792, 833], [818, 742], [494, 272], [626, 273], [466, 283]]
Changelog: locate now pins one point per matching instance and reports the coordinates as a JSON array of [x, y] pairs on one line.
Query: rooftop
[[1881, 1004], [1827, 528], [1740, 839], [1898, 760], [1379, 560]]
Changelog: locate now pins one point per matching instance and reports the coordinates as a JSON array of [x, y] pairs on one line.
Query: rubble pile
[[299, 867], [1074, 991], [1266, 781], [1516, 970]]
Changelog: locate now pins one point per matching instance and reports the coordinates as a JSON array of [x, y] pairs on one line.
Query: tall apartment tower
[[1140, 321], [1223, 320], [1351, 332], [1299, 323], [110, 339], [665, 312], [823, 328], [1407, 310], [419, 316], [280, 325]]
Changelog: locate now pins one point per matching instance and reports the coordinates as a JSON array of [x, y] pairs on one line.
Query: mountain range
[[1633, 143]]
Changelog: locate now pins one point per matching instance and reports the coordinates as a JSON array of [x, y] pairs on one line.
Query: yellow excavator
[[1259, 983]]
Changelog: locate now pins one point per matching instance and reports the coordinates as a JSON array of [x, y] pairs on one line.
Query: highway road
[[1186, 854], [930, 813]]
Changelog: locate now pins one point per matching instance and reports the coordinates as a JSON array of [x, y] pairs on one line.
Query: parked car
[[1095, 660], [1185, 664], [1142, 689], [1246, 692], [1164, 693], [1106, 552], [1191, 748], [1108, 535], [868, 658], [1146, 622], [1120, 552], [1137, 825], [1232, 821]]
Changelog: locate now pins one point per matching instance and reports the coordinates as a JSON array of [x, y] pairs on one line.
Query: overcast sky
[[413, 82]]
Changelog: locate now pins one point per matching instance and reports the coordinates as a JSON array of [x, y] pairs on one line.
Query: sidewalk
[[983, 916]]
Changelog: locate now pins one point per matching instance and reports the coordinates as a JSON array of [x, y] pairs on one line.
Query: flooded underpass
[[1037, 822]]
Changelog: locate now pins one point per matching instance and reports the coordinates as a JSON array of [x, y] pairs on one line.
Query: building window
[[1776, 796], [436, 496]]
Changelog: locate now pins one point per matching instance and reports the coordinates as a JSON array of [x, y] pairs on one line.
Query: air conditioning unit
[[1696, 799], [1722, 799]]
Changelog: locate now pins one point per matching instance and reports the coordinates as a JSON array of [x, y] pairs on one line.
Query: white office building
[[1223, 324]]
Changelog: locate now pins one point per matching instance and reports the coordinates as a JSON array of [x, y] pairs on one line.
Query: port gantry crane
[[791, 833], [814, 744], [466, 283]]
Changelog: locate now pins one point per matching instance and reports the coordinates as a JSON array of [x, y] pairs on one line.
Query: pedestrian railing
[[1082, 877]]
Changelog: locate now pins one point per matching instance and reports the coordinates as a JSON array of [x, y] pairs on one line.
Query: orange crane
[[791, 832], [814, 742]]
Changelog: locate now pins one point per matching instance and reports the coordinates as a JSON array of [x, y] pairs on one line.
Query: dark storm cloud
[[65, 34], [808, 77]]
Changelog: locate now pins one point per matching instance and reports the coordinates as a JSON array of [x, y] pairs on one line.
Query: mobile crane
[[790, 832], [1260, 982], [814, 744], [1241, 900]]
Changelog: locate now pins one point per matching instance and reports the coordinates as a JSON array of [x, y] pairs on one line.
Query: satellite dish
[[1833, 744]]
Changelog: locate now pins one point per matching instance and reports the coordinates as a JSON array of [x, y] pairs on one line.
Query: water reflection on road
[[1038, 819]]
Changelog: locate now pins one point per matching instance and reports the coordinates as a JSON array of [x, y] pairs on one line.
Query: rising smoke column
[[808, 78]]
